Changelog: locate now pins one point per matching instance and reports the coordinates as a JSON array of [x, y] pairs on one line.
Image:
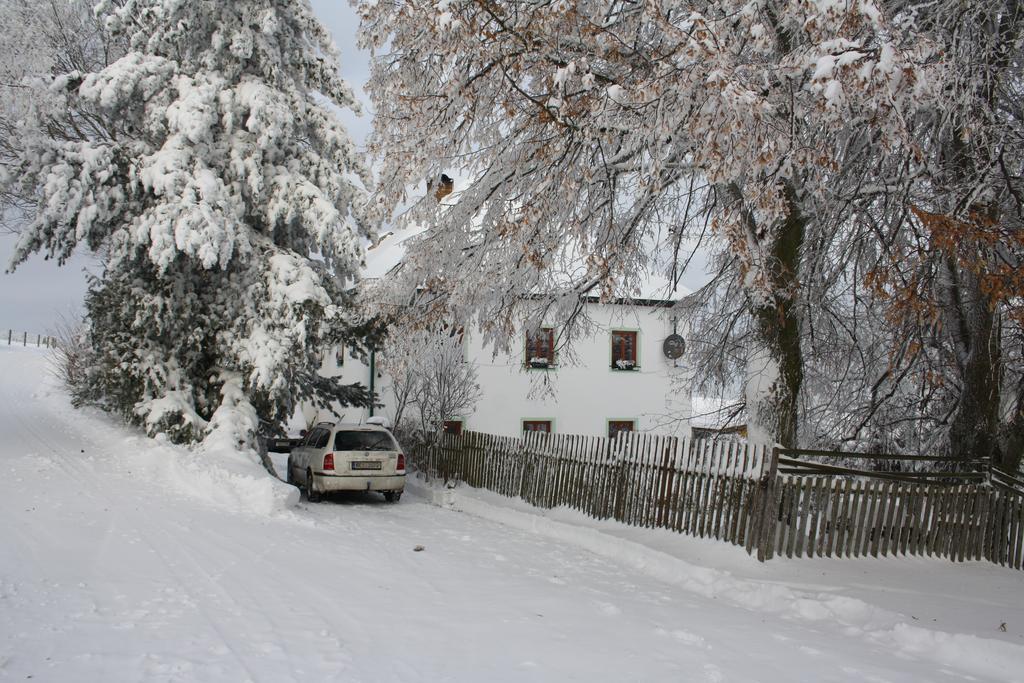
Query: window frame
[[459, 421], [636, 349], [612, 420], [536, 420], [527, 356]]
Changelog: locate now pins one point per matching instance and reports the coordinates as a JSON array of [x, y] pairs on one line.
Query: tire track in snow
[[156, 527], [97, 492], [527, 564]]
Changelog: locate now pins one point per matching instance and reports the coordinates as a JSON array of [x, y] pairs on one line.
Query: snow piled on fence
[[965, 652], [215, 472]]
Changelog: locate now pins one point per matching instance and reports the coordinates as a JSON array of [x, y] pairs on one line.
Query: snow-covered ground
[[123, 559]]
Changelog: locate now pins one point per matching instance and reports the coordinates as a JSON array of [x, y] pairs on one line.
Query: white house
[[620, 377]]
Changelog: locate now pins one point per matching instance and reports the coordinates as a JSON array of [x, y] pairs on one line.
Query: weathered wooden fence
[[769, 501]]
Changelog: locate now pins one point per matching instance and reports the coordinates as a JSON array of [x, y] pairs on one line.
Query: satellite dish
[[674, 346]]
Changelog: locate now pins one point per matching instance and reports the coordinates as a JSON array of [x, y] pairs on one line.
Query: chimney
[[445, 186]]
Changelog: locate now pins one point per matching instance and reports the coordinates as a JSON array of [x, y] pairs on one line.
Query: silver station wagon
[[347, 457]]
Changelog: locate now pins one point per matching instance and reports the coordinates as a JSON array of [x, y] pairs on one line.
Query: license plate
[[366, 465]]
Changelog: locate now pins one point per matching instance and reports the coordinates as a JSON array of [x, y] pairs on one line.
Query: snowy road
[[110, 573]]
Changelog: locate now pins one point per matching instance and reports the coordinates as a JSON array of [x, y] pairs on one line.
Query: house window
[[537, 426], [616, 426], [540, 348], [453, 427], [624, 350]]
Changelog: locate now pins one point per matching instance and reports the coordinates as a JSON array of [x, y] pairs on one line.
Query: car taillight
[[401, 462], [329, 461]]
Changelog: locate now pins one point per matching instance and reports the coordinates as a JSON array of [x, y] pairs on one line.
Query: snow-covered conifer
[[228, 203]]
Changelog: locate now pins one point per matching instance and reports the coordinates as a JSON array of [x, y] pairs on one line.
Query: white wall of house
[[579, 395], [338, 362]]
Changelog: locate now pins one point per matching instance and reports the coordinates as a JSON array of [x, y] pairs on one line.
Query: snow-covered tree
[[953, 276], [431, 381], [42, 40], [910, 308], [591, 131], [229, 204]]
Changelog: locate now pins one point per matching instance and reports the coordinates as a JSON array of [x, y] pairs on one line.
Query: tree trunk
[[775, 371], [974, 427], [1011, 441], [967, 314], [975, 332]]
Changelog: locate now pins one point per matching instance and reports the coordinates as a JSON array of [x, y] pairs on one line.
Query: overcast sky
[[39, 292]]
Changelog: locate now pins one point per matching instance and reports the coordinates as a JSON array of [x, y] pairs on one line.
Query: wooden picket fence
[[735, 492]]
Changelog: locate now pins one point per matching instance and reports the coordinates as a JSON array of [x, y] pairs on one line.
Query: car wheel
[[393, 496], [311, 495]]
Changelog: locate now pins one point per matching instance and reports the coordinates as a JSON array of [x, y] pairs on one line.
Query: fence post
[[24, 338], [431, 463], [10, 333], [769, 508], [39, 338], [525, 472]]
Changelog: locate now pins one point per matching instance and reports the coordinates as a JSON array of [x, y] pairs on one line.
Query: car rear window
[[364, 441]]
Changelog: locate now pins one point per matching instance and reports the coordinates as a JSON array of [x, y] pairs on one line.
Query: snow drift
[[215, 472]]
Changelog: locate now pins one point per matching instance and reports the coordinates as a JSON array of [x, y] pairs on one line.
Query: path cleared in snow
[[123, 559]]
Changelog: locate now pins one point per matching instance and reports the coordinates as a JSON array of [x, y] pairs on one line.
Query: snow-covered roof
[[387, 253], [657, 287]]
